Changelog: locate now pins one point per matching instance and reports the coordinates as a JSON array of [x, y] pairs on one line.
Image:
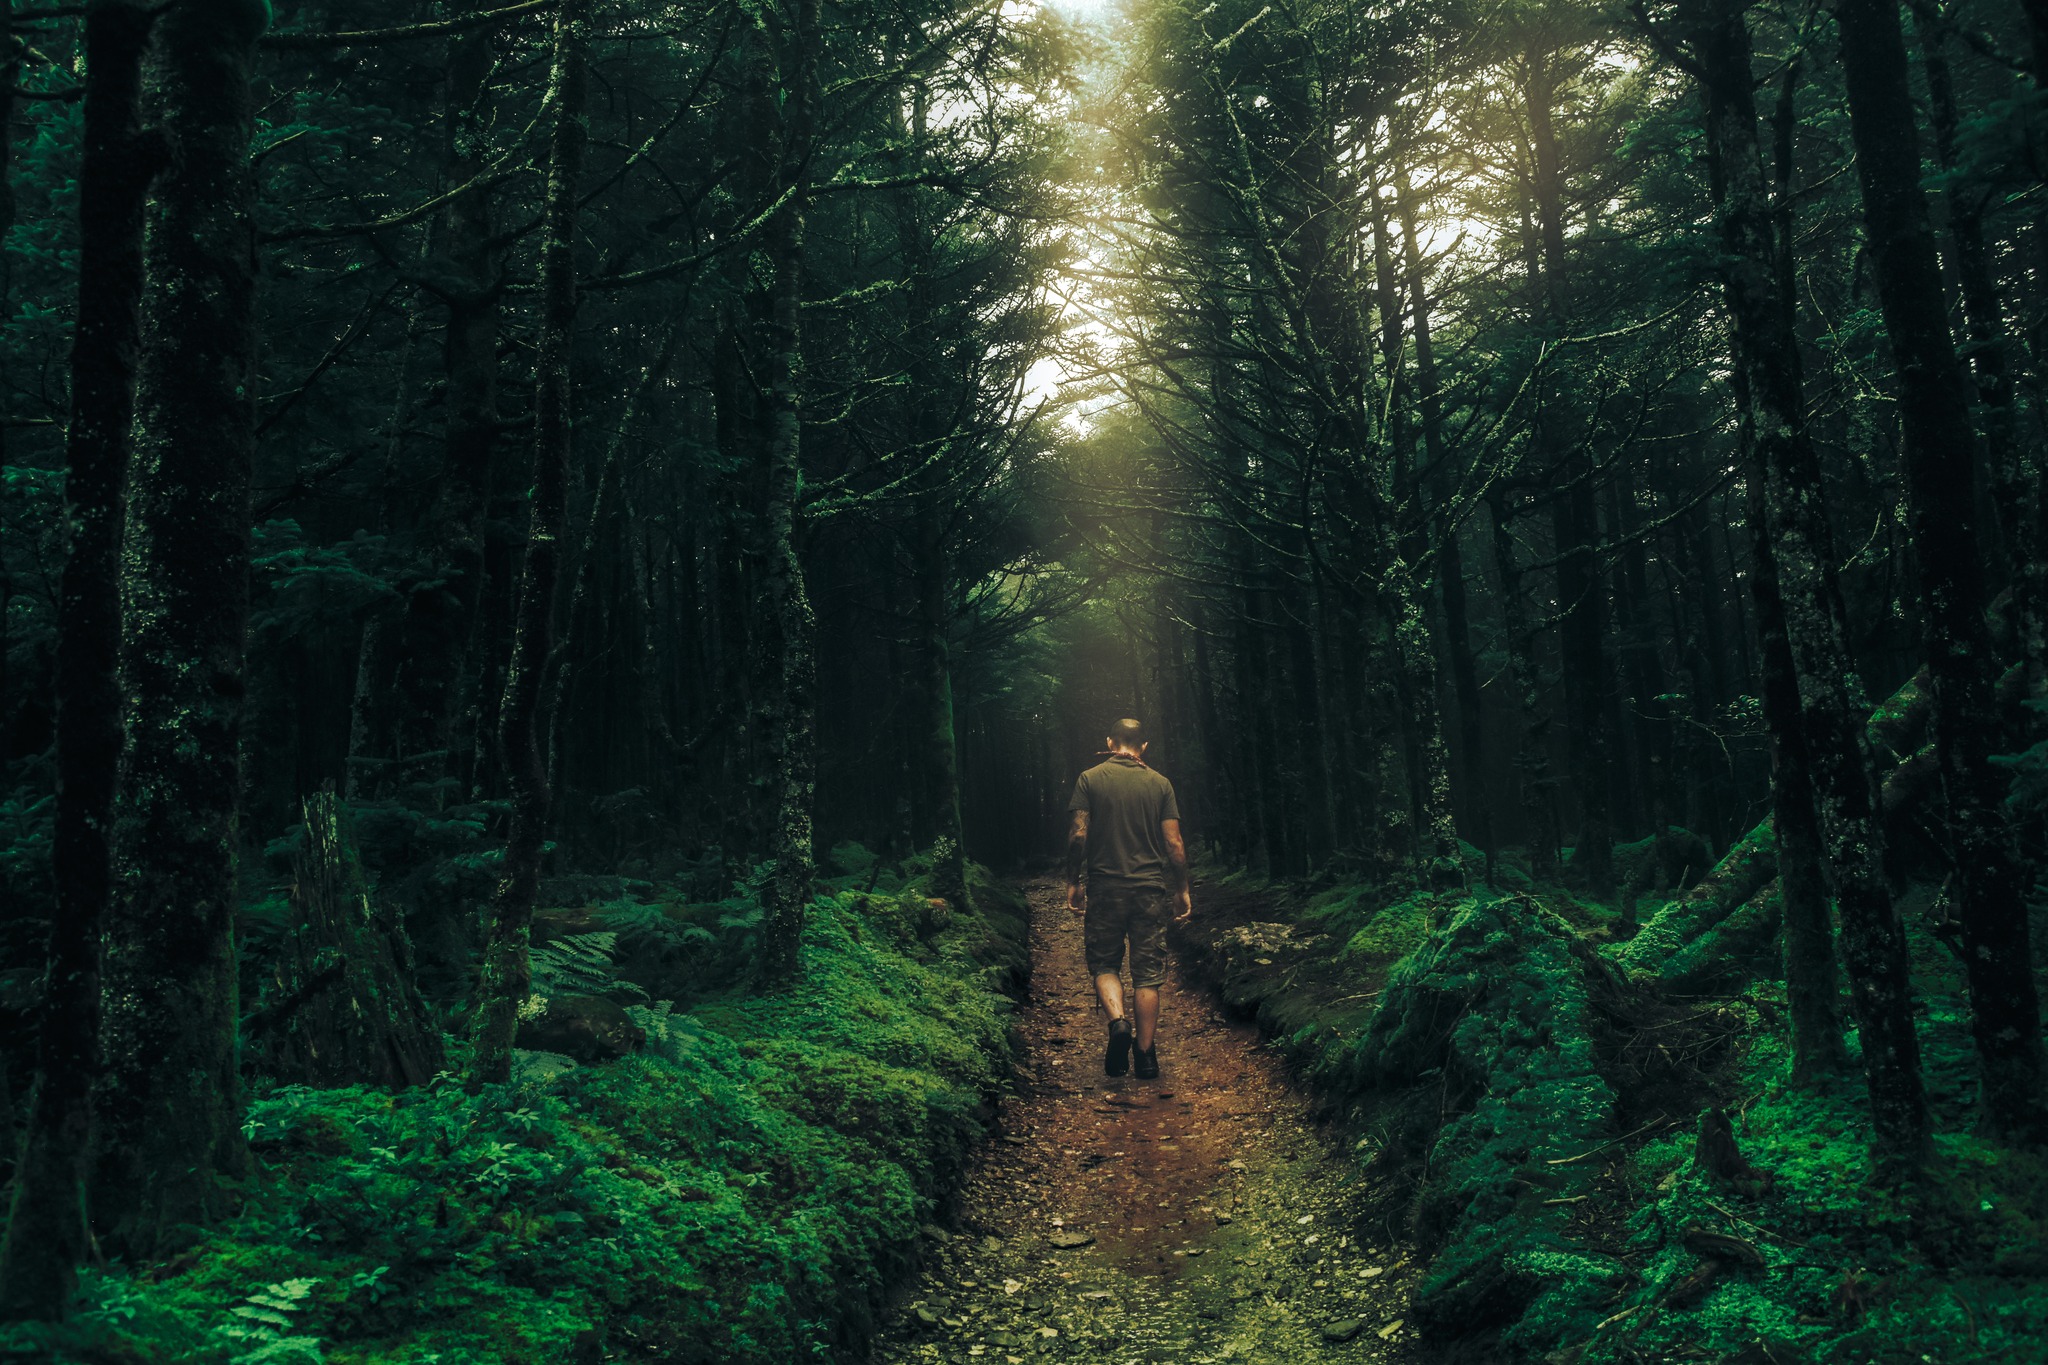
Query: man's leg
[[1109, 989], [1148, 1015]]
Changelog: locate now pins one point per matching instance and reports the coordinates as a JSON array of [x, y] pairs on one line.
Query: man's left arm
[[1177, 869]]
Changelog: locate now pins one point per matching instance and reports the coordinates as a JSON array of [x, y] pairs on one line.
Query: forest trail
[[1215, 1221]]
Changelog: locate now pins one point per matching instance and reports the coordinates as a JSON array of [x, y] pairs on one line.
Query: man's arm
[[1077, 858], [1177, 868]]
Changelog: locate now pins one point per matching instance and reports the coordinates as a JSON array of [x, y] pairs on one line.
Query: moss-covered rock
[[1495, 1015]]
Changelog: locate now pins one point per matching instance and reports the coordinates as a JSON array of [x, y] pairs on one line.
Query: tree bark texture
[[786, 718], [46, 1230], [1820, 758], [168, 1101]]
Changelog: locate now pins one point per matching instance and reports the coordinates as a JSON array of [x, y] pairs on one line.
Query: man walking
[[1126, 835]]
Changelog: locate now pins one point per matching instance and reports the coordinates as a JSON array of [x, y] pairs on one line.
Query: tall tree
[[167, 1104], [1939, 460], [46, 1230], [1796, 539], [508, 964], [786, 717]]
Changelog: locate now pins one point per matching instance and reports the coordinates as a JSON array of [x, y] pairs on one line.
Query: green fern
[[581, 964], [264, 1336], [669, 1035]]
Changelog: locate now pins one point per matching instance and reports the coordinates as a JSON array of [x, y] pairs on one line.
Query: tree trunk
[[1812, 984], [1317, 841], [443, 621], [168, 1103], [508, 966], [46, 1230], [940, 745], [1435, 834], [1938, 459], [1532, 759], [2015, 479], [1450, 558], [786, 719], [1799, 543], [1582, 597]]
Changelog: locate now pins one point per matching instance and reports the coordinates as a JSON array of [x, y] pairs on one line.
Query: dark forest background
[[498, 458]]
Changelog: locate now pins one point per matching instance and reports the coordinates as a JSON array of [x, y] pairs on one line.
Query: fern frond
[[581, 964]]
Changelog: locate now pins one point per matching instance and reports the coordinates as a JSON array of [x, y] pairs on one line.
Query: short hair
[[1128, 733]]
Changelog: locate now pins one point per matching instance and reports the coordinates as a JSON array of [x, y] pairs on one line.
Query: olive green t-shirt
[[1125, 801]]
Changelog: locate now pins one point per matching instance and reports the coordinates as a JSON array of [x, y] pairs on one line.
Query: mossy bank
[[1603, 1170], [741, 1189]]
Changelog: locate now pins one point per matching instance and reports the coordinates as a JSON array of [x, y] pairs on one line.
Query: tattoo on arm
[[1077, 847]]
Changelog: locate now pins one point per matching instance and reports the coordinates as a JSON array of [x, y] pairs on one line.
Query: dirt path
[[1199, 1217]]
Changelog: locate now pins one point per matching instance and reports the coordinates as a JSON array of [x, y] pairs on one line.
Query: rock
[[1497, 1012], [586, 1027], [1343, 1329], [1387, 1332], [1066, 1239], [924, 1317]]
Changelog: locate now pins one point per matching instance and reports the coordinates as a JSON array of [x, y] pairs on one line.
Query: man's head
[[1127, 736]]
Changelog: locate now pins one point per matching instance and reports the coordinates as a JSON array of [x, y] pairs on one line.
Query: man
[[1126, 835]]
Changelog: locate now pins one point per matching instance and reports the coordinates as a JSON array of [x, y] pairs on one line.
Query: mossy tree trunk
[[1939, 463], [1820, 759], [168, 1103], [508, 965], [46, 1230], [787, 714]]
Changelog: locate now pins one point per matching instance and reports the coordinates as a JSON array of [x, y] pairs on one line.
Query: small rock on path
[[1197, 1218]]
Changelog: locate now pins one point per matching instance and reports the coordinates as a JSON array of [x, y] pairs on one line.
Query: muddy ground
[[1199, 1217]]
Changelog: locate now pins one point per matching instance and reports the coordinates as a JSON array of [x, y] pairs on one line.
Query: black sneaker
[[1148, 1062], [1117, 1060]]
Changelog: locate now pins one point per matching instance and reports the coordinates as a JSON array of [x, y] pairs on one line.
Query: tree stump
[[342, 1008]]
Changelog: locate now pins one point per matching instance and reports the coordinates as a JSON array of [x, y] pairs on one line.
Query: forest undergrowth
[[1602, 1169], [742, 1187]]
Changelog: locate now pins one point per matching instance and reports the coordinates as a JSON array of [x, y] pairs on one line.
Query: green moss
[[742, 1193], [1395, 930], [1502, 1047]]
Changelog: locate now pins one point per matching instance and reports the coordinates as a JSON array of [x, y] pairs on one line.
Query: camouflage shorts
[[1138, 913]]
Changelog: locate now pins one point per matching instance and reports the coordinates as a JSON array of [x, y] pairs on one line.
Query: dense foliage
[[744, 1189], [493, 490]]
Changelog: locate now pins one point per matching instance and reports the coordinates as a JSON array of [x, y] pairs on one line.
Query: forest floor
[[1200, 1217]]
